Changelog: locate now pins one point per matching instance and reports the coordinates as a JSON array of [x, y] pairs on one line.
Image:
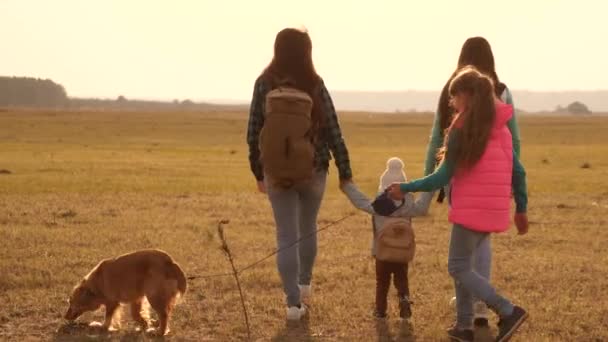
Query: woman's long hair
[[472, 127], [292, 64], [476, 51]]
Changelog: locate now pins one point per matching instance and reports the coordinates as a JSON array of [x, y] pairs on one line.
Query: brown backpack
[[396, 241], [286, 144]]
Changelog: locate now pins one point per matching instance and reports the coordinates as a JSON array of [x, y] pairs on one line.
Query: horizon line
[[241, 100]]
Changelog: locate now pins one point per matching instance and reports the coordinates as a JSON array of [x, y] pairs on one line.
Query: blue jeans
[[465, 246], [482, 260], [482, 264], [295, 212]]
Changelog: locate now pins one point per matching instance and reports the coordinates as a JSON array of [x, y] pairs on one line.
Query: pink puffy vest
[[481, 196]]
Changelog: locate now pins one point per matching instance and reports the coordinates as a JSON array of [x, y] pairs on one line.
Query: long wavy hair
[[473, 126], [292, 64], [476, 51]]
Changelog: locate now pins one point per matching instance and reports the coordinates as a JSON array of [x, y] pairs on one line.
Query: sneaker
[[405, 308], [508, 325], [379, 315], [295, 313], [461, 335], [305, 293], [481, 315]]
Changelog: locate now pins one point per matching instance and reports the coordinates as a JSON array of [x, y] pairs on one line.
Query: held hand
[[261, 187], [395, 193], [521, 222]]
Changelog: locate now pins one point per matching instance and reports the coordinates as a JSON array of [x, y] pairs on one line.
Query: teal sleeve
[[513, 127], [438, 179], [434, 144], [520, 192]]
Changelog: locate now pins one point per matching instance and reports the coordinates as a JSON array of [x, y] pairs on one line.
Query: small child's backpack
[[396, 241], [286, 144]]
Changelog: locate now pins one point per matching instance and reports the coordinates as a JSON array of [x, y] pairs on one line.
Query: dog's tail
[[175, 272]]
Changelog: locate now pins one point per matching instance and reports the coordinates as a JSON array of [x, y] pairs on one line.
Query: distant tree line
[[575, 108], [121, 103], [26, 91], [44, 93]]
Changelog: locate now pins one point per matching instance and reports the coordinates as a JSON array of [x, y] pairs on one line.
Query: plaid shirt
[[330, 137]]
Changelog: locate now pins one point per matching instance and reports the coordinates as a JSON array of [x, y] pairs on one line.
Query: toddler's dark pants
[[384, 270]]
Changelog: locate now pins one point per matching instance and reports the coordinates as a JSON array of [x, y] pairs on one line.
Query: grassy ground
[[86, 186]]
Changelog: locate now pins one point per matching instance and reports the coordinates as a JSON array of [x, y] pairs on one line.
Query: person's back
[[289, 157], [481, 197], [475, 51]]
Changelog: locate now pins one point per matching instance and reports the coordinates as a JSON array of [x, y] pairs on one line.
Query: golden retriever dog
[[129, 279]]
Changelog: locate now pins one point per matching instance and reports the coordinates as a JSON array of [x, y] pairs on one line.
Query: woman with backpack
[[476, 51], [292, 129]]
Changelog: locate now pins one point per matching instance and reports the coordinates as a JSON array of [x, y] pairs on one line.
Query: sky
[[209, 50]]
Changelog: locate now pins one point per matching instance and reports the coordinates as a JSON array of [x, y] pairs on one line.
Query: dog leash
[[256, 263]]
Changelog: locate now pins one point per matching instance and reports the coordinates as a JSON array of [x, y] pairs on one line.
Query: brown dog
[[128, 279]]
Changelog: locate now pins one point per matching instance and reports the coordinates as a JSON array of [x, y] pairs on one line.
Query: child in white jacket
[[409, 208]]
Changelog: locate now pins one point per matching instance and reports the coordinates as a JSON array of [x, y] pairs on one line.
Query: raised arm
[[357, 198], [438, 179], [410, 207], [415, 207], [335, 140]]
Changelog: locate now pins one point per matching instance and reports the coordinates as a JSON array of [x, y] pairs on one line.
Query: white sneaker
[[453, 303], [480, 310], [305, 293], [295, 314], [481, 314]]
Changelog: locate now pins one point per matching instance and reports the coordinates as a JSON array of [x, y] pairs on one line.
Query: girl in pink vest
[[475, 51], [479, 164]]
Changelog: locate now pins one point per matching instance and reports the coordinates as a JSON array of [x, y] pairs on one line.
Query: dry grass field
[[87, 186]]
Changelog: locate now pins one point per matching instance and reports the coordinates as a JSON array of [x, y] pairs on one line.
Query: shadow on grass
[[294, 331], [405, 331], [81, 331], [484, 335]]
